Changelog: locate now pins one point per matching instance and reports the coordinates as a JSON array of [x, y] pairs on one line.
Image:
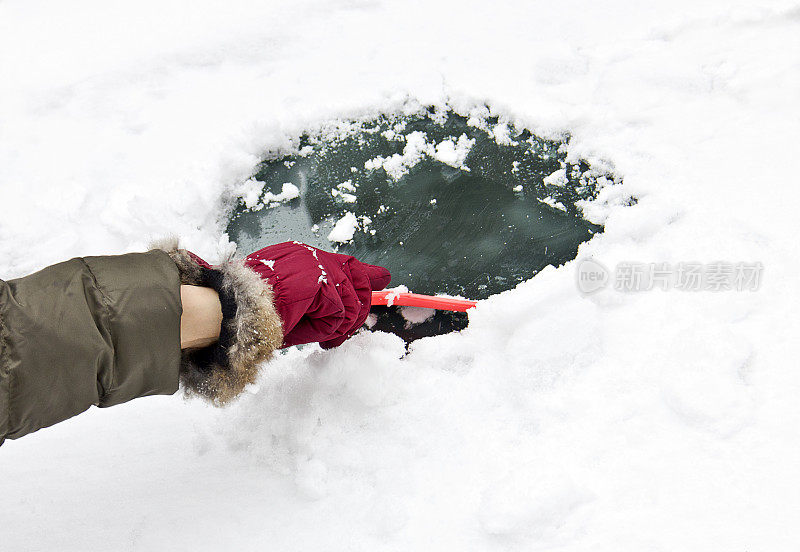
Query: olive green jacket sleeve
[[89, 331]]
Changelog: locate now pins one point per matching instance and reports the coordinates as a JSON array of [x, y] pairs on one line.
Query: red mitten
[[282, 295], [320, 296]]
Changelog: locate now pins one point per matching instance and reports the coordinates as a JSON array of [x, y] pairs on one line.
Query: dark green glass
[[471, 231]]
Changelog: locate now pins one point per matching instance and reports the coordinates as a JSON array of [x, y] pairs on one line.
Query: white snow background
[[647, 421]]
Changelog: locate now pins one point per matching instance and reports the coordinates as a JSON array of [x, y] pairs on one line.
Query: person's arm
[[202, 316], [98, 330], [102, 330]]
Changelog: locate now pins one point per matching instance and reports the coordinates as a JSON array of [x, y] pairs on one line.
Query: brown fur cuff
[[251, 329]]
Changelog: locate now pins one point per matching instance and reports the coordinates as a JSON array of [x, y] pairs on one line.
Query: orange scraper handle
[[417, 300]]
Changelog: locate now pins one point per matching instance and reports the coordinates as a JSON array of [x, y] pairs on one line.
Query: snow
[[416, 315], [558, 178], [347, 185], [598, 209], [659, 420], [344, 229], [341, 191], [395, 292], [398, 165], [250, 192], [501, 134], [452, 152], [344, 196], [288, 192], [560, 206]]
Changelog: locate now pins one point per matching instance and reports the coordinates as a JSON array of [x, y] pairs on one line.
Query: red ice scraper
[[388, 297]]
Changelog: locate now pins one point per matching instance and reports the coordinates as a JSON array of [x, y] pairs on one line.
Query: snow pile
[[345, 191], [558, 178], [344, 229], [502, 134], [597, 210], [252, 194], [450, 151], [657, 420], [416, 315], [288, 192], [560, 206], [398, 165]]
